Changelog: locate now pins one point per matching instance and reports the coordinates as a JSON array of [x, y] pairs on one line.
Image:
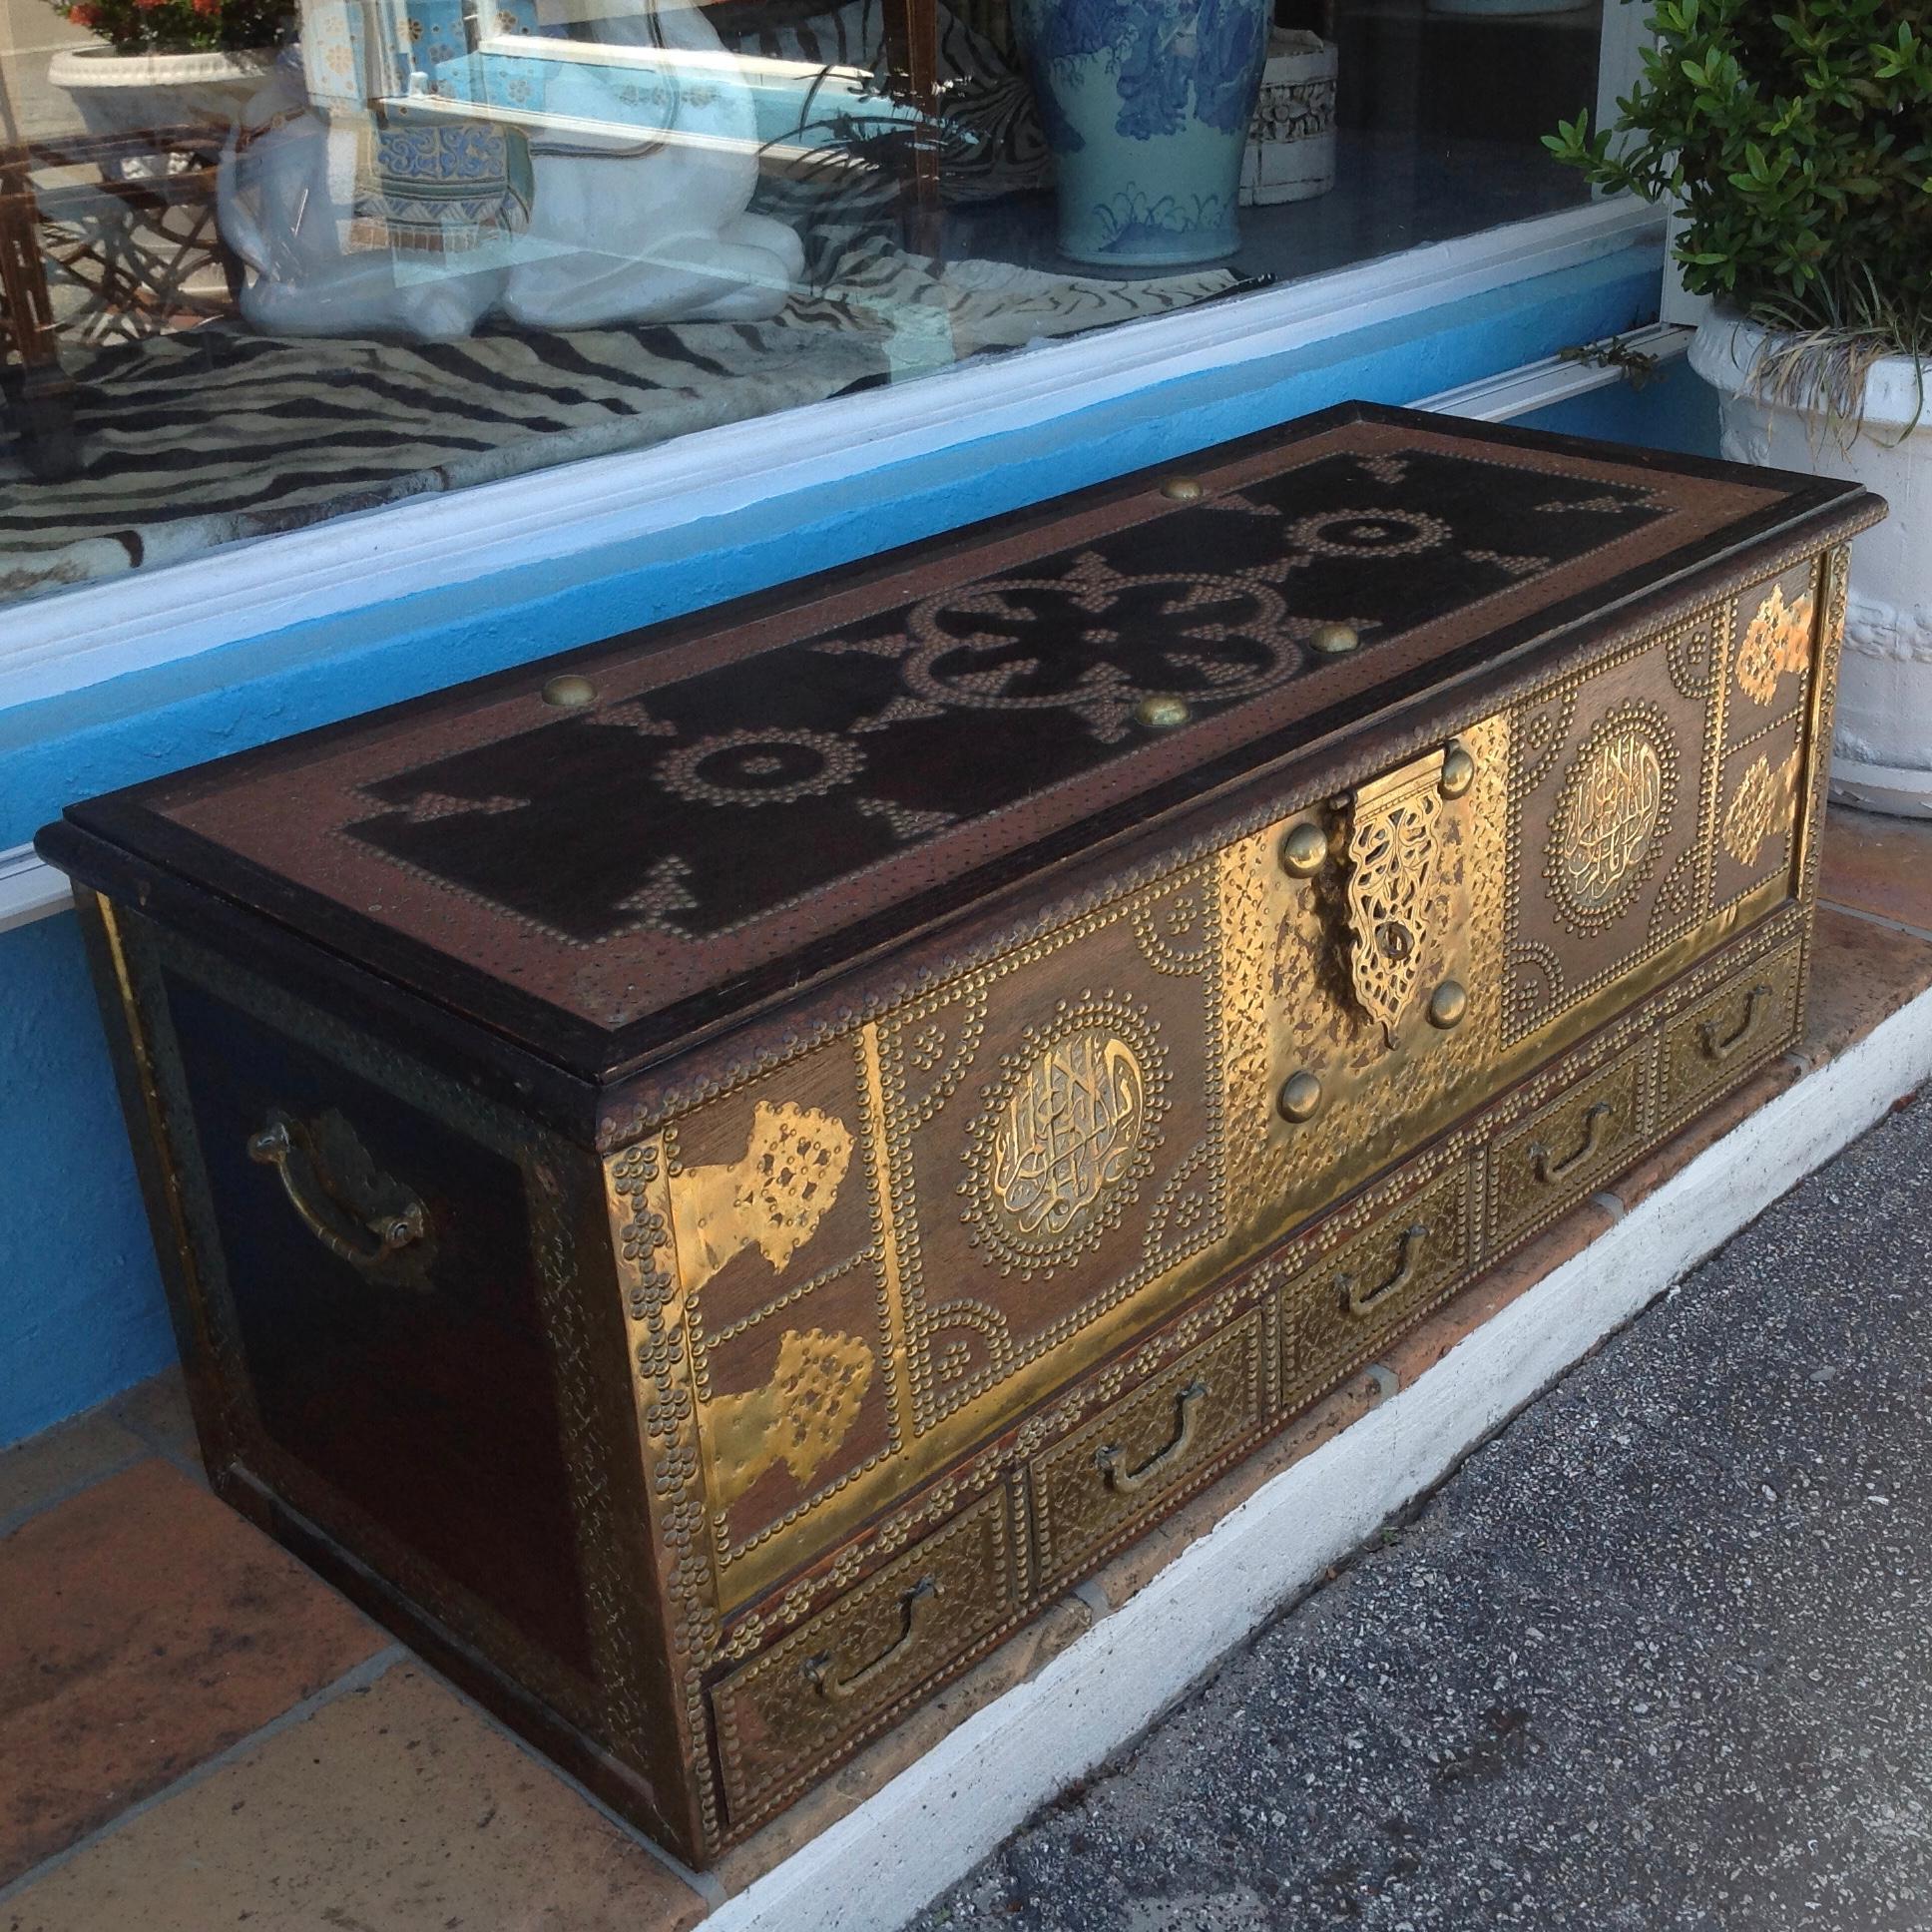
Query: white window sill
[[145, 618]]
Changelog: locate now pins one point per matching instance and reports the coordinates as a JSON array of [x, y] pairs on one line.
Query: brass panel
[[1560, 1153], [1122, 1466], [1413, 1250], [1052, 1141], [1311, 989], [1609, 823], [781, 1715], [1752, 1016]]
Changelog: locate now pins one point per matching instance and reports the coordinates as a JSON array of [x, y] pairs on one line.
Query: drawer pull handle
[[1715, 1049], [1592, 1137], [820, 1668], [1359, 1300], [357, 1211], [1124, 1481]]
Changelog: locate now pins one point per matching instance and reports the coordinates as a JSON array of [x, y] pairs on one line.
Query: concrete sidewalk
[[1659, 1656]]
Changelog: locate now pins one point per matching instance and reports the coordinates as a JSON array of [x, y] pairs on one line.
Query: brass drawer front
[[1750, 1016], [1123, 1465], [1559, 1153], [780, 1714], [1335, 1314]]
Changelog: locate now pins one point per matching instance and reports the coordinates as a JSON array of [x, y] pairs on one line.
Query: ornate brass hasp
[[1386, 840]]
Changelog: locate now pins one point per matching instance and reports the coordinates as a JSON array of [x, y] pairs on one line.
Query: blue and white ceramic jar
[[1146, 105]]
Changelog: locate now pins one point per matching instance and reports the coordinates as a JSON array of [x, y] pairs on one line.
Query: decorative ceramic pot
[[1882, 753], [1147, 104], [129, 94], [1292, 141]]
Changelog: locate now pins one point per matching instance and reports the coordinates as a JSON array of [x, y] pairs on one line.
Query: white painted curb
[[938, 1818]]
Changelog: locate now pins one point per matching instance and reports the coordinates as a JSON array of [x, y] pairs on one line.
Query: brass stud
[[1300, 1098], [1334, 640], [1304, 851], [1447, 1004], [570, 693], [1458, 772], [1183, 489], [1162, 713]]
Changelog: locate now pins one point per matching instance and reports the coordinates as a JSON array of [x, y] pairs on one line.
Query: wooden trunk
[[708, 1178]]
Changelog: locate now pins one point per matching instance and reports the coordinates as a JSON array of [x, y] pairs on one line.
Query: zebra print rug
[[215, 434]]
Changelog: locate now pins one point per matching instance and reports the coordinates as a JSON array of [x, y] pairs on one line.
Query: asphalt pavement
[[1658, 1656]]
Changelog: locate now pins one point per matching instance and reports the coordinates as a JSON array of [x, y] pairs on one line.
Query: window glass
[[260, 265]]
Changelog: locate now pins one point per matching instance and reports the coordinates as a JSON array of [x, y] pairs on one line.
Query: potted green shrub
[[167, 63], [1796, 143]]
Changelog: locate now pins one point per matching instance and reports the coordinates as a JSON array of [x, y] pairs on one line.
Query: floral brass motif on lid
[[1394, 831], [1062, 1138], [1778, 639], [1615, 801]]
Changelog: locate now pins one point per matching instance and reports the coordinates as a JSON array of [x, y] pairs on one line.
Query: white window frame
[[142, 620]]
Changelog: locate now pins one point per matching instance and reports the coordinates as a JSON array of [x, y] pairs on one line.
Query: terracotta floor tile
[[394, 1808], [157, 1411], [1878, 864], [1862, 973], [59, 1461], [144, 1627]]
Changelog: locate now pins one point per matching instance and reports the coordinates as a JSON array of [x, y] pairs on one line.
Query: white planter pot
[[1882, 752], [1290, 154], [128, 94]]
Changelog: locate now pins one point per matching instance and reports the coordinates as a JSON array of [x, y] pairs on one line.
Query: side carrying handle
[[1595, 1120], [361, 1215], [820, 1668], [1112, 1464], [1359, 1300], [1715, 1049]]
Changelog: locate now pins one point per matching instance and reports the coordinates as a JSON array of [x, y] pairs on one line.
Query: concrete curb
[[939, 1817]]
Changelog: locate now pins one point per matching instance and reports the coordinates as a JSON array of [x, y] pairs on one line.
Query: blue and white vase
[[1146, 105]]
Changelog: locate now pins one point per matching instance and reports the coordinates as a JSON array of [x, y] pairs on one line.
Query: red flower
[[84, 16], [148, 6], [207, 9]]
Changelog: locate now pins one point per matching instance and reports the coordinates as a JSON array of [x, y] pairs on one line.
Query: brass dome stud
[[1162, 713], [1183, 489], [1304, 851], [1334, 640], [1300, 1097], [1458, 772], [1447, 1004], [570, 693]]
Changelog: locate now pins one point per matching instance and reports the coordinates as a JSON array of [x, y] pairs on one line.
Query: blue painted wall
[[1674, 410], [81, 1313]]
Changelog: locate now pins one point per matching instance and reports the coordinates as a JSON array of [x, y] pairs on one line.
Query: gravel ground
[[1658, 1656]]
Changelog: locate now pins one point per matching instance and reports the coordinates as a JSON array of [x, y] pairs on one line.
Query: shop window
[[260, 266]]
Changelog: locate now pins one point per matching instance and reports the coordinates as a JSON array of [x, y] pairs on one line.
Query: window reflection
[[261, 266]]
